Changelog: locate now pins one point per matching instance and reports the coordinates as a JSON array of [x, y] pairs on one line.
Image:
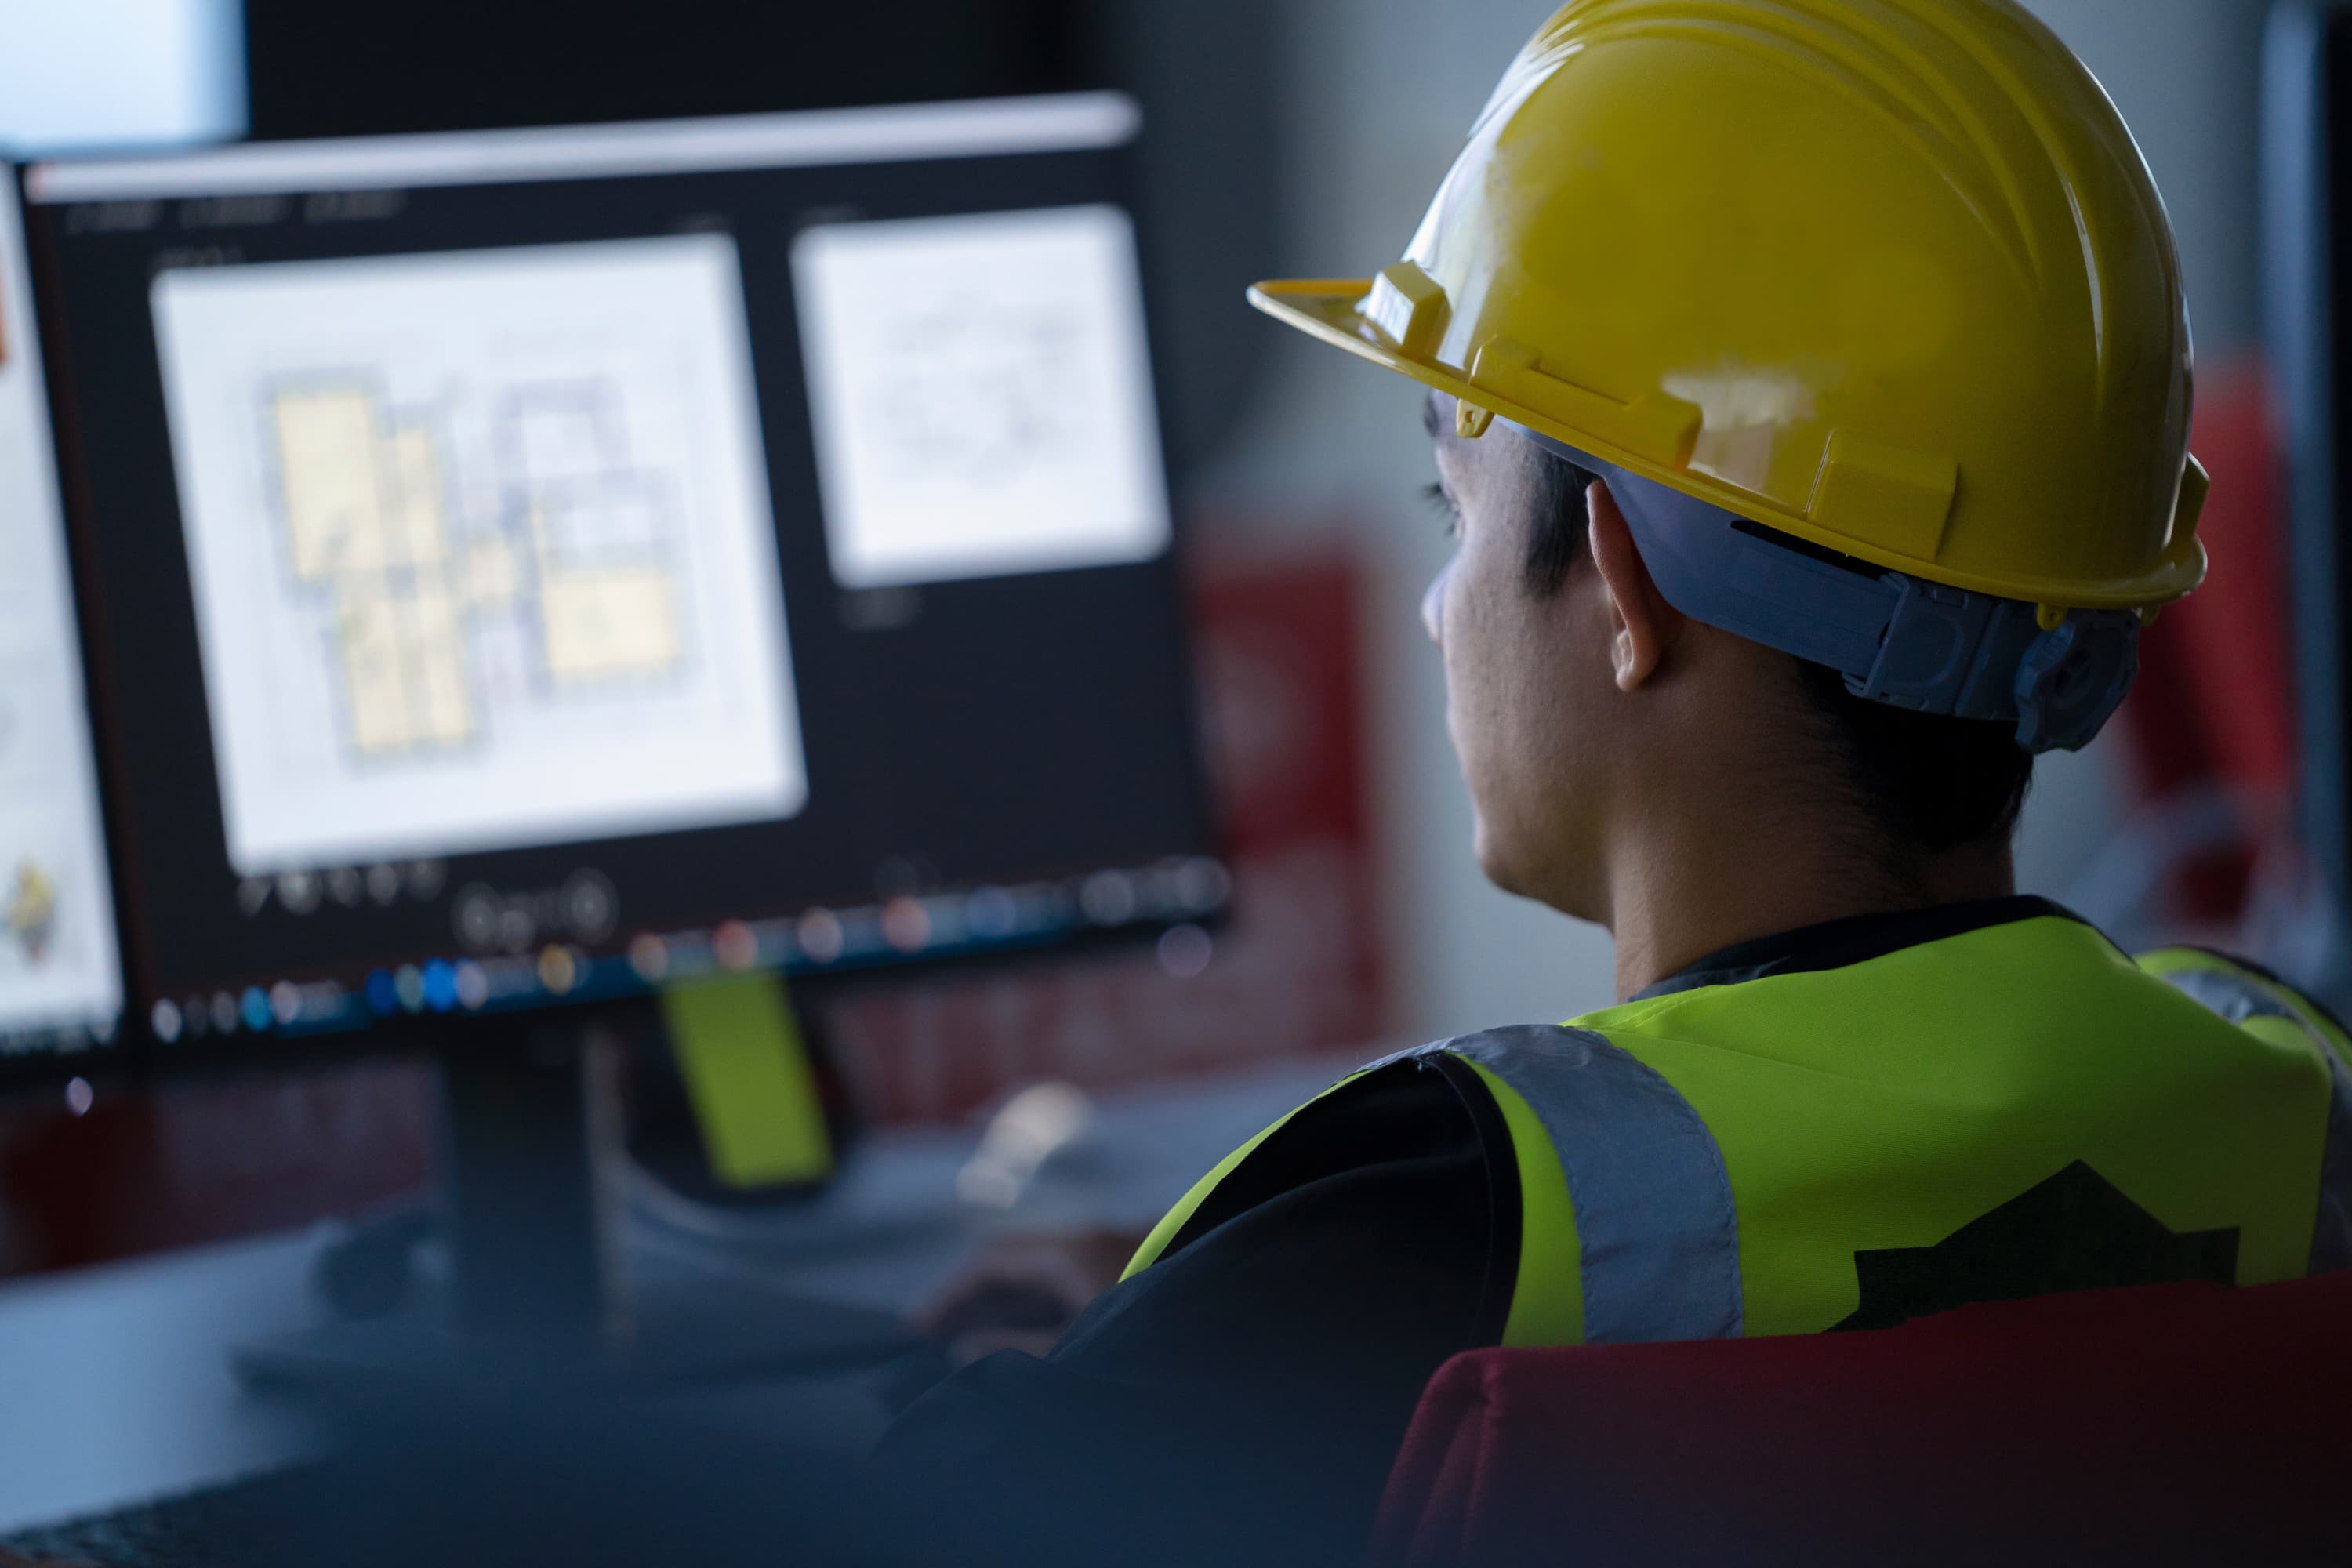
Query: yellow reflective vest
[[2015, 1107]]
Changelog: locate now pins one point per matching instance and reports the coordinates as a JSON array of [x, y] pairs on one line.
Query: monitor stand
[[540, 1291]]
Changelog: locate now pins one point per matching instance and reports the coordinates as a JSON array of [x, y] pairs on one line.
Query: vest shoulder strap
[[1648, 1225], [1628, 1233], [2258, 1001]]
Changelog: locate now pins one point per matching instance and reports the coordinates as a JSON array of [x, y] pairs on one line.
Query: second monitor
[[536, 565]]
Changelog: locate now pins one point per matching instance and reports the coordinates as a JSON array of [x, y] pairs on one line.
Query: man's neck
[[1672, 904]]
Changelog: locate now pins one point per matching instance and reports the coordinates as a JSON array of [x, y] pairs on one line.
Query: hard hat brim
[[1330, 309]]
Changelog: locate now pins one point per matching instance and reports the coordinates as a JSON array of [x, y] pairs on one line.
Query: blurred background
[[1283, 138]]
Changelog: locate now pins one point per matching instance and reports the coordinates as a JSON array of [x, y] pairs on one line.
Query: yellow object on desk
[[747, 1074]]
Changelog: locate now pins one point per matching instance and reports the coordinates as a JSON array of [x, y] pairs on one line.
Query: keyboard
[[231, 1526]]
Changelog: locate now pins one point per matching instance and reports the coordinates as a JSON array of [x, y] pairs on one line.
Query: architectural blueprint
[[482, 549]]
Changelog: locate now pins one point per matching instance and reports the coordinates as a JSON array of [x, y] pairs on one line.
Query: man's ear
[[1643, 625]]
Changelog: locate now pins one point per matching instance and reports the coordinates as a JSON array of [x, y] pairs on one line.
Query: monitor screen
[[60, 976], [541, 565]]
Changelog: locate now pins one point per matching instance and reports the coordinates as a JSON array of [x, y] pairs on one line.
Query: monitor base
[[538, 1295]]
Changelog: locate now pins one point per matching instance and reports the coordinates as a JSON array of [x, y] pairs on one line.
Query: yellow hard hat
[[1889, 276]]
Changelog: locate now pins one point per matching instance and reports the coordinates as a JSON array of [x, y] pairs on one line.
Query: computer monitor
[[60, 970], [538, 566]]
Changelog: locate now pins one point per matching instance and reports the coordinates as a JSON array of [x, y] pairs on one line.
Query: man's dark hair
[[1932, 784]]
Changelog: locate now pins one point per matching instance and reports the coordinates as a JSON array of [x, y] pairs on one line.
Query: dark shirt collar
[[1857, 938]]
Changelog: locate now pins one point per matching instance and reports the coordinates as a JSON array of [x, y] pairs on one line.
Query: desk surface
[[114, 1382], [116, 1386]]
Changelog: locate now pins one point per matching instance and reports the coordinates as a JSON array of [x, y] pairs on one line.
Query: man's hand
[[1019, 1292]]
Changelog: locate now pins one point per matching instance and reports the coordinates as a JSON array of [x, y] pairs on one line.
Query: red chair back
[[2166, 1424]]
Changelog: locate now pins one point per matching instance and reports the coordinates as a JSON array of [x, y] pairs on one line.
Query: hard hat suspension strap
[[1897, 639]]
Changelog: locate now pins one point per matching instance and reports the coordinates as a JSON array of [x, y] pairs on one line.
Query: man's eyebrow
[[1431, 420]]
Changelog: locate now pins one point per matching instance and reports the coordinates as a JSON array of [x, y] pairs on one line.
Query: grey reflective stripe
[[1408, 1054], [1654, 1221], [2238, 997]]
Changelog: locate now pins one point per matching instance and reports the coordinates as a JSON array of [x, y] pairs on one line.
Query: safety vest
[[2015, 1109]]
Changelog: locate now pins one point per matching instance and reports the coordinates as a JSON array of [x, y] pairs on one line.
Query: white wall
[[1380, 93], [90, 73]]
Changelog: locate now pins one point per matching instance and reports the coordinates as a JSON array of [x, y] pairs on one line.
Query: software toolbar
[[503, 971]]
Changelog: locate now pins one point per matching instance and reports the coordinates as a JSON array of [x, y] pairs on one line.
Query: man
[[1809, 389]]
